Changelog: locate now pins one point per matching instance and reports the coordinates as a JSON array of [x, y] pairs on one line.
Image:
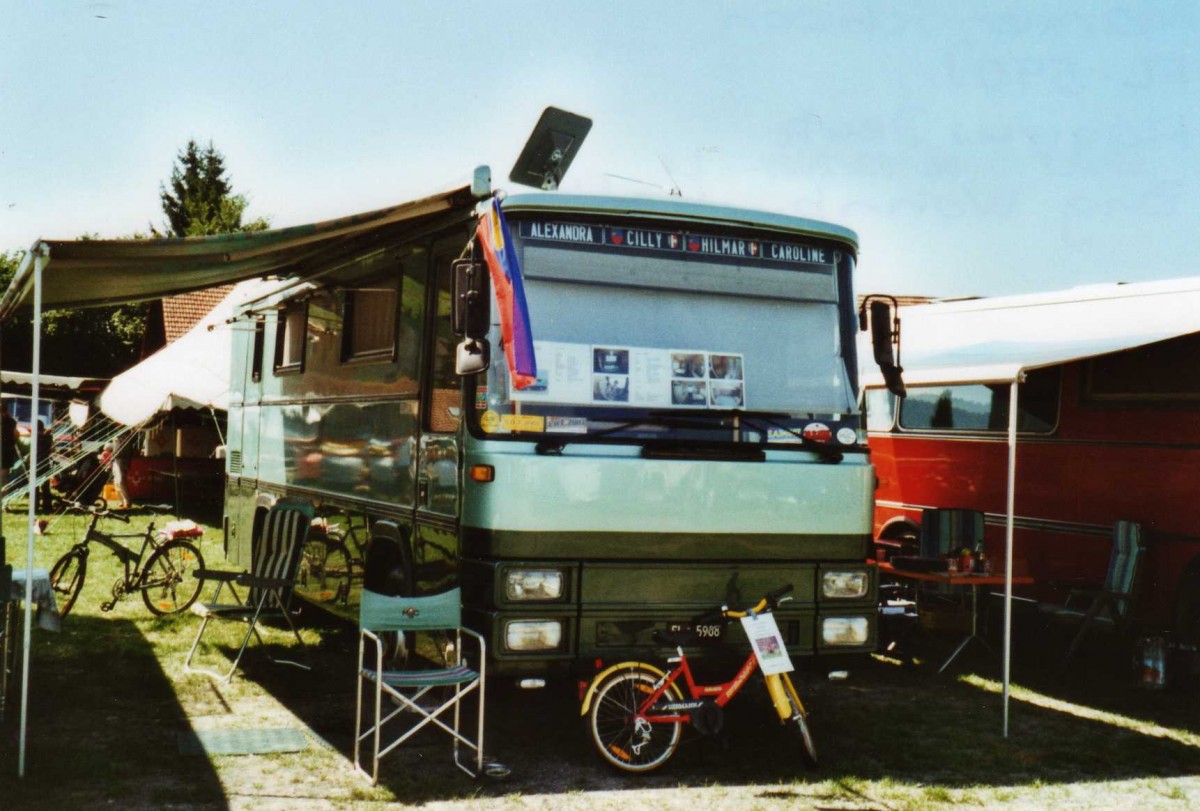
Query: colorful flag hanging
[[505, 271]]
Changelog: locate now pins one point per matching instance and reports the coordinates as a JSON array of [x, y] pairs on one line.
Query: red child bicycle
[[636, 710]]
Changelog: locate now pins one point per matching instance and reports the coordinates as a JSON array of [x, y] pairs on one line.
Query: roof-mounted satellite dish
[[550, 149]]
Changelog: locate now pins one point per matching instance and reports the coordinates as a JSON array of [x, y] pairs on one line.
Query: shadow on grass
[[103, 722], [908, 726]]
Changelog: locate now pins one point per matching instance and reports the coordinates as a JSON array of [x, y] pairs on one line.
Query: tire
[[66, 579], [612, 723], [167, 583], [799, 722]]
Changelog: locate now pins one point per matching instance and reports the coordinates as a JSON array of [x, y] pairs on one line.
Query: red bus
[[1108, 428]]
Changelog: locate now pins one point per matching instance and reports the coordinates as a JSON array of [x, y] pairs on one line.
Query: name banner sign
[[770, 253]]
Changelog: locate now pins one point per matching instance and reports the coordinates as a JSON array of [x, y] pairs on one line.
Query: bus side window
[[445, 386], [290, 338], [881, 409], [412, 317], [256, 361]]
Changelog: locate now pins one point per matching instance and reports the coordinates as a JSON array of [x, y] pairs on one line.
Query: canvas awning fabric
[[92, 273], [192, 372], [995, 340], [59, 383]]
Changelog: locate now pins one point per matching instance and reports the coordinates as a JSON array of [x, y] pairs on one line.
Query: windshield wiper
[[661, 418], [758, 420]]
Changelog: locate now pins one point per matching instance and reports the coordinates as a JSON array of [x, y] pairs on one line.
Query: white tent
[[998, 340], [191, 372]]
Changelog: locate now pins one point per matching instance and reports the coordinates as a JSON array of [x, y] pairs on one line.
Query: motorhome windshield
[[664, 333]]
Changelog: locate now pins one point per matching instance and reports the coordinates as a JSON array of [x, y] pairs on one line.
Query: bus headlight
[[844, 585], [533, 584], [532, 635], [844, 630]]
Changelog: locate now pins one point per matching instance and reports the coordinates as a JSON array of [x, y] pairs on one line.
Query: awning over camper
[[90, 273], [192, 372], [994, 340], [21, 381]]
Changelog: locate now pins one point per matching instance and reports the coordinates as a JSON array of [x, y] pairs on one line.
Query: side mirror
[[884, 323], [472, 356], [481, 182], [470, 299]]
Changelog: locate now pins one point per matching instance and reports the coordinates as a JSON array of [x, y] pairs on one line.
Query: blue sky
[[976, 148]]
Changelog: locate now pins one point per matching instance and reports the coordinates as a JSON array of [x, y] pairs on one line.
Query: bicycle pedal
[[106, 606]]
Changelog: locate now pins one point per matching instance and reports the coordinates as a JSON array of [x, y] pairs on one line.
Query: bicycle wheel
[[167, 584], [326, 571], [799, 722], [628, 743], [66, 579]]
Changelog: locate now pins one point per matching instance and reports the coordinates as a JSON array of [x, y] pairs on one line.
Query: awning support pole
[[216, 424], [39, 262], [1008, 537]]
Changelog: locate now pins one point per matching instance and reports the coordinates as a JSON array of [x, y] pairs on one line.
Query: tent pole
[[1008, 537], [39, 264]]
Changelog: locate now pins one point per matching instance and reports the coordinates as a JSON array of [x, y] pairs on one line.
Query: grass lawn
[[109, 700]]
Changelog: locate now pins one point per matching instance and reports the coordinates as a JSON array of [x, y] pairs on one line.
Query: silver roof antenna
[[675, 190]]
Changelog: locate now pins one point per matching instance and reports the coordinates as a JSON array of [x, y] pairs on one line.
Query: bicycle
[[636, 711], [166, 583], [332, 559]]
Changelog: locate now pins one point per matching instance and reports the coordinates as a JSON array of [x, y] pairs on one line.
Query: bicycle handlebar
[[771, 600], [777, 596], [89, 510]]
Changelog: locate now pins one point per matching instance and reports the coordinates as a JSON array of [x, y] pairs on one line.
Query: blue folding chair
[[411, 689], [1112, 604]]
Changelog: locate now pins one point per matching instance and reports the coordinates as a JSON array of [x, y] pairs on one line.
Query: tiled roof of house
[[181, 313]]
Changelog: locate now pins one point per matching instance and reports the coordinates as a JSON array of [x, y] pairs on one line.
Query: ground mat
[[242, 741]]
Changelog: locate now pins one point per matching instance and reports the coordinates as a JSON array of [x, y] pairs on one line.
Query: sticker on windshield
[[522, 422], [727, 394], [489, 422], [612, 375], [707, 379], [566, 425]]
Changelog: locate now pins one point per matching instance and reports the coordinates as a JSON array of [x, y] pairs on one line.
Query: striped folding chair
[[946, 530], [420, 695], [275, 556], [1111, 605]]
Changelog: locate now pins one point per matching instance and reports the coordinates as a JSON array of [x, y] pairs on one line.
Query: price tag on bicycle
[[767, 643]]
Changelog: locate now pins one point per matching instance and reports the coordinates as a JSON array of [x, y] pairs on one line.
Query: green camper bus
[[692, 437]]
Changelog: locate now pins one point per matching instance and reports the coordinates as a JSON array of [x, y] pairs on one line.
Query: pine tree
[[201, 201]]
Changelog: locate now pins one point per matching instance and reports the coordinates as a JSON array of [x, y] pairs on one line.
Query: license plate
[[701, 630]]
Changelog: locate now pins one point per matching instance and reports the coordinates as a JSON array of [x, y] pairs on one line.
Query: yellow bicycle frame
[[600, 677]]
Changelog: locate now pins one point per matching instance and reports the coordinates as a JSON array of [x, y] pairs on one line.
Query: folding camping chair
[[410, 689], [946, 530], [1112, 604], [276, 554]]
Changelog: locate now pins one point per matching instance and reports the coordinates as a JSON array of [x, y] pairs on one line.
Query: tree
[[104, 341], [201, 201], [94, 342]]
